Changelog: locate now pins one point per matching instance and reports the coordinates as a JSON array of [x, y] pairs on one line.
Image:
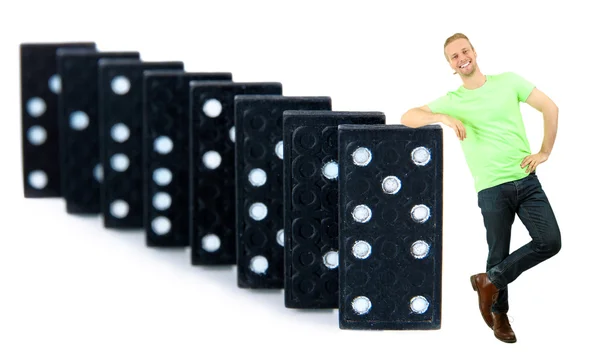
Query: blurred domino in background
[[40, 88], [166, 154], [310, 189], [121, 131], [259, 181], [79, 136], [212, 168]]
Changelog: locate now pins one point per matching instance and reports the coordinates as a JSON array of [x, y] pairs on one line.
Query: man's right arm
[[421, 116]]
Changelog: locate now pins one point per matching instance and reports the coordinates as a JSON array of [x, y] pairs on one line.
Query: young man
[[484, 112]]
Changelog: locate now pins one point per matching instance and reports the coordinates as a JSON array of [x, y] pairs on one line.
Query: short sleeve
[[441, 105], [521, 86]]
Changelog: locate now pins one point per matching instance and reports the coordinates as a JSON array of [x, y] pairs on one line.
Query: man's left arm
[[542, 103]]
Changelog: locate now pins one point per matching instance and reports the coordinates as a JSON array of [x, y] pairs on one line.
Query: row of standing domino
[[337, 208]]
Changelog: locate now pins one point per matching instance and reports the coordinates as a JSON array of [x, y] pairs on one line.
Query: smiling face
[[462, 57]]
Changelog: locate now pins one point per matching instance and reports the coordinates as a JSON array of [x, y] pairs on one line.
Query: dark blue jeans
[[499, 205]]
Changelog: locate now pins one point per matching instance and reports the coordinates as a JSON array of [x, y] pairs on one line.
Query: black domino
[[121, 116], [311, 204], [81, 172], [166, 154], [259, 179], [212, 168], [40, 87], [390, 227]]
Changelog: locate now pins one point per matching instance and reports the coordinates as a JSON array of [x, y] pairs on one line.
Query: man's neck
[[474, 81]]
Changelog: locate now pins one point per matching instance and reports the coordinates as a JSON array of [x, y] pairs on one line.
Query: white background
[[74, 292]]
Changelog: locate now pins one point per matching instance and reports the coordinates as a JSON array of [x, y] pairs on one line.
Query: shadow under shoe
[[502, 329], [487, 294]]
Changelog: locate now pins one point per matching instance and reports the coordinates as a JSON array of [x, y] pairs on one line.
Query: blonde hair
[[454, 37]]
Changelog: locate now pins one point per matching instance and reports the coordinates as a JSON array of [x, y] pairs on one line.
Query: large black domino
[[40, 87], [212, 168], [390, 227], [166, 154], [259, 179], [121, 117], [311, 204], [81, 172]]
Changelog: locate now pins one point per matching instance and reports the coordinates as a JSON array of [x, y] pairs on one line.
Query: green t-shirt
[[496, 142]]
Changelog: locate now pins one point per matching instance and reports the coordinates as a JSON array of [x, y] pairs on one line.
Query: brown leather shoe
[[487, 293], [502, 329]]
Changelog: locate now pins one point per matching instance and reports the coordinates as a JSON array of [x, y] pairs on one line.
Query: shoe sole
[[509, 341], [474, 285]]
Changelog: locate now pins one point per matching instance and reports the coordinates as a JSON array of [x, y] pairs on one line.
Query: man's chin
[[468, 73]]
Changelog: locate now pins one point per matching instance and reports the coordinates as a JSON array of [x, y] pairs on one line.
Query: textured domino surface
[[120, 117], [166, 154], [259, 179], [81, 172], [390, 227], [311, 204], [212, 168], [40, 87]]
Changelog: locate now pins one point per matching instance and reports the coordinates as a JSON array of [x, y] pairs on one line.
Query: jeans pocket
[[492, 199], [485, 198]]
